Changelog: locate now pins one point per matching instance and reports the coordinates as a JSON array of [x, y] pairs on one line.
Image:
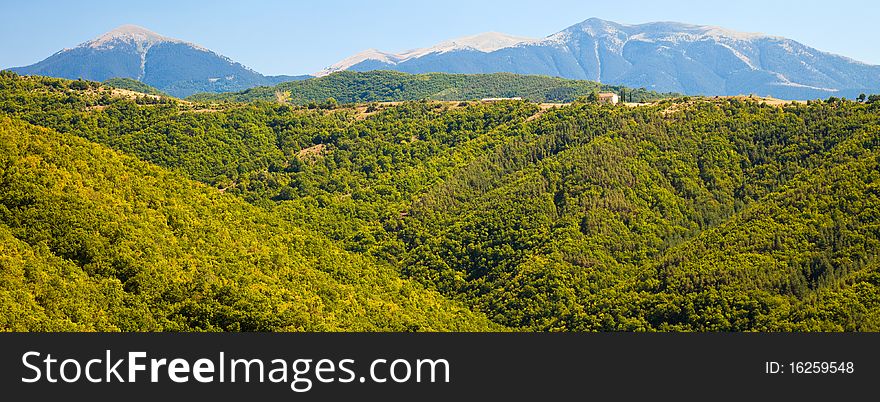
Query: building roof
[[500, 99]]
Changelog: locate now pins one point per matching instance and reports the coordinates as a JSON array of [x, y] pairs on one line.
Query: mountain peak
[[596, 24], [677, 28], [660, 29], [138, 35], [131, 29], [485, 42], [369, 54]]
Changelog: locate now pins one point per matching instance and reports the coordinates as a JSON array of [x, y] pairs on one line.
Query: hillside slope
[[94, 240], [726, 217]]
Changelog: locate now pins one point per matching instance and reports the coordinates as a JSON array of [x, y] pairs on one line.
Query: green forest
[[392, 86], [266, 213]]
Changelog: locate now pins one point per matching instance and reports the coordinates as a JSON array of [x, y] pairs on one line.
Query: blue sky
[[301, 37]]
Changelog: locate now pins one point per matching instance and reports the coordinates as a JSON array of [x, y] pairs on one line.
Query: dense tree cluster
[[685, 215], [392, 86]]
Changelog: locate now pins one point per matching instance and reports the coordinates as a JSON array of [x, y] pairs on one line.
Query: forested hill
[[390, 86], [684, 215]]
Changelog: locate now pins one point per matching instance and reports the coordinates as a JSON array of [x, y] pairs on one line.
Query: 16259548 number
[[821, 367]]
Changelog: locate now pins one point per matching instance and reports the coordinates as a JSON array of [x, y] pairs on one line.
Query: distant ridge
[[661, 56]]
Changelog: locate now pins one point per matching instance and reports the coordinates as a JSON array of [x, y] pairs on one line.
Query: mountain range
[[171, 65], [661, 56]]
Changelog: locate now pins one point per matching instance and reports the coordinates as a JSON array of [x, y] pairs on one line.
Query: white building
[[608, 97]]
